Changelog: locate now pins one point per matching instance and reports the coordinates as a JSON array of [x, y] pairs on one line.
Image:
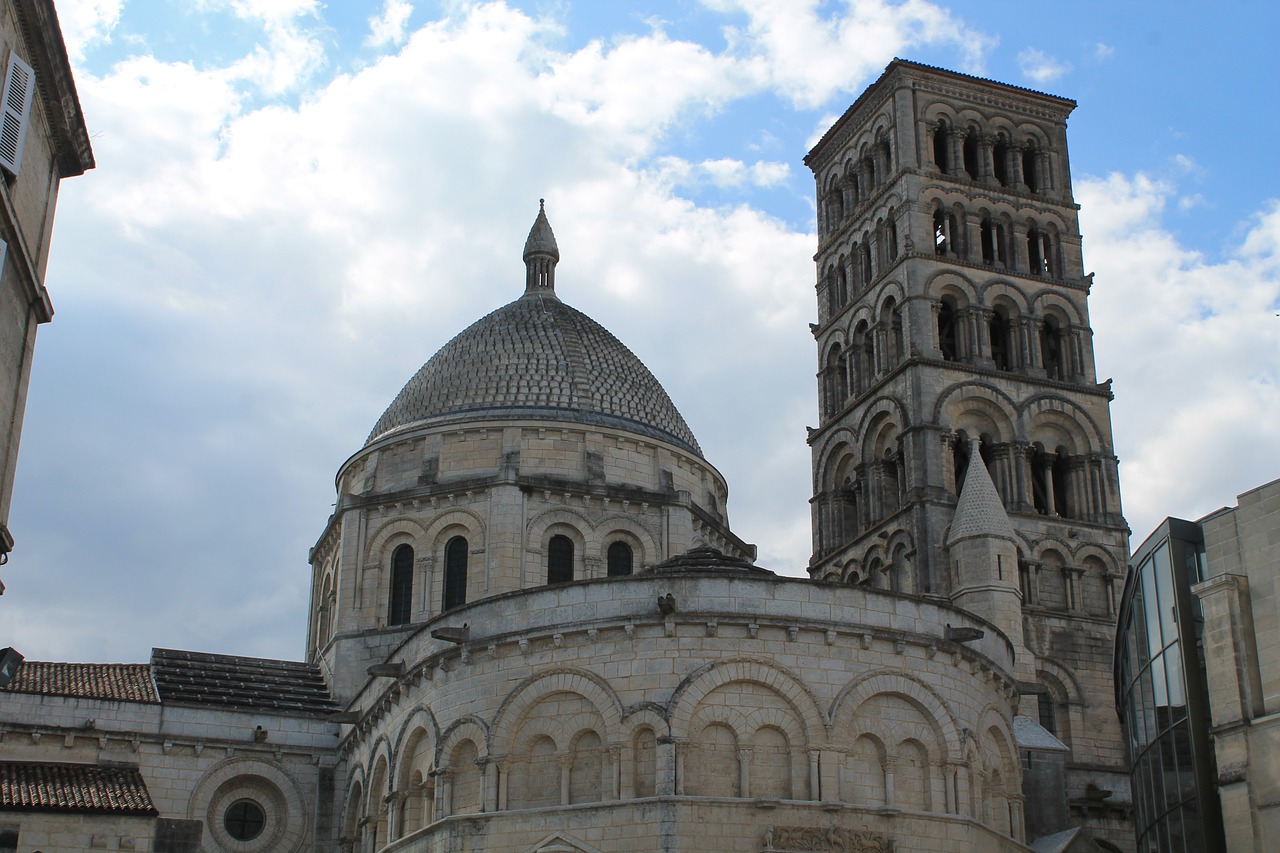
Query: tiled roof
[[124, 682], [85, 788], [538, 358], [229, 681]]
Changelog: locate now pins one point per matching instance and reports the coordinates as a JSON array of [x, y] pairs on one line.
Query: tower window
[[866, 263], [947, 330], [398, 608], [1001, 339], [560, 560], [1051, 349], [993, 242], [455, 573], [1029, 176], [971, 153], [1039, 252], [940, 146], [619, 560], [1000, 156]]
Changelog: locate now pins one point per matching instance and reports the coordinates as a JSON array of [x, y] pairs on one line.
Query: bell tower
[[953, 330]]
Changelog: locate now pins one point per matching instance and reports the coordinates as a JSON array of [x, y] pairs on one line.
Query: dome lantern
[[540, 255]]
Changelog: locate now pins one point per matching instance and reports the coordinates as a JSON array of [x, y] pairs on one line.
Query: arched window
[[1001, 328], [560, 560], [940, 146], [455, 573], [947, 323], [401, 601], [971, 153], [1039, 252], [1000, 158], [1029, 176], [1051, 348], [945, 233], [866, 262], [891, 237], [835, 380], [619, 560], [993, 242]]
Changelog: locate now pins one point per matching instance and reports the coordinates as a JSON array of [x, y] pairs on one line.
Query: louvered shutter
[[19, 86]]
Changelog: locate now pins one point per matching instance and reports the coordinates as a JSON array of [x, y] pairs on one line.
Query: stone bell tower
[[953, 328]]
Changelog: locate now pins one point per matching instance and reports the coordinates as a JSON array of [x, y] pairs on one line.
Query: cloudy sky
[[297, 203]]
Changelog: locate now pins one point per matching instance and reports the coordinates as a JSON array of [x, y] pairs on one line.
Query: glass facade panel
[[1160, 695]]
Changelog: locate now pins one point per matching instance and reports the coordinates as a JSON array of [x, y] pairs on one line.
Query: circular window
[[244, 820]]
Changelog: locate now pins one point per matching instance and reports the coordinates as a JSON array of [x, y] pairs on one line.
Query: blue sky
[[296, 204]]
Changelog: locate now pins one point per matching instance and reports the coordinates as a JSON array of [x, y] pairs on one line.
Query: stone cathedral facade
[[533, 630]]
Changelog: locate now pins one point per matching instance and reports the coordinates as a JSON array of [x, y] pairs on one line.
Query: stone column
[[670, 779], [1049, 459], [565, 763], [615, 772], [889, 766], [815, 778], [392, 802], [744, 772], [1015, 167], [949, 787], [504, 779], [444, 792], [488, 784], [986, 164], [955, 151]]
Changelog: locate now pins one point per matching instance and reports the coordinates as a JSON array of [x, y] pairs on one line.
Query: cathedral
[[533, 629]]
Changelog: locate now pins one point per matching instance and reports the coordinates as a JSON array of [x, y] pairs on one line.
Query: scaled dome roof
[[538, 358]]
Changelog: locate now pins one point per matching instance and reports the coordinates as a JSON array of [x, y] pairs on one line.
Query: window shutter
[[19, 86]]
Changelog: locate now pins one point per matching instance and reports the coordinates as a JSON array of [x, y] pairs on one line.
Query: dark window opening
[[619, 560], [398, 609], [1040, 470], [1029, 169], [866, 263], [947, 330], [1000, 155], [244, 820], [455, 573], [971, 153], [940, 146], [1001, 340], [1051, 349], [1061, 471], [1048, 716], [560, 560], [892, 232]]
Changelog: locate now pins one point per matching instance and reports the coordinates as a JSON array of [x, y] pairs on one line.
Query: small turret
[[541, 254], [983, 550]]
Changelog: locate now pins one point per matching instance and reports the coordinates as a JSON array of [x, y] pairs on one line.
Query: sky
[[296, 204]]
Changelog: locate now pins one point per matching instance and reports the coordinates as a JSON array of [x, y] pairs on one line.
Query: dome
[[538, 358]]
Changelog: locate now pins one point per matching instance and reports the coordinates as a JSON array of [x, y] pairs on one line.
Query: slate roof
[[123, 682], [230, 681], [83, 788], [538, 358], [979, 510], [706, 558]]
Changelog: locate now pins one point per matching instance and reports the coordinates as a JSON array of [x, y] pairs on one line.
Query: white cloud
[[390, 27], [86, 23], [1192, 344], [1103, 51], [1040, 66], [808, 53], [258, 281]]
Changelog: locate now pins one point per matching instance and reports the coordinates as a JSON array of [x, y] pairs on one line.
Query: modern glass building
[[1162, 695]]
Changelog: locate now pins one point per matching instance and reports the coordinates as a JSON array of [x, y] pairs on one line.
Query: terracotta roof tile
[[124, 682], [84, 788]]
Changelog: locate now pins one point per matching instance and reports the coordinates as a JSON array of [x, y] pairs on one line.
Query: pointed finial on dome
[[541, 254]]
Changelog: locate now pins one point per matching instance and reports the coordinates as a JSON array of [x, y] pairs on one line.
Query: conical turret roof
[[979, 510]]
